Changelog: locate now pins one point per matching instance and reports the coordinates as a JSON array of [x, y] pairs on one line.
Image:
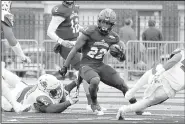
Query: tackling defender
[[164, 82], [64, 28], [6, 29], [95, 41], [47, 96]]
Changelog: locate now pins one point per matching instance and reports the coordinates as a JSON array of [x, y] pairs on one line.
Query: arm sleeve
[[55, 22]]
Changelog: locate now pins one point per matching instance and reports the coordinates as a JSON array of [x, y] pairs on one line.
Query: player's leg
[[5, 104], [75, 62], [92, 77], [86, 89], [6, 92], [115, 81], [10, 78], [141, 82], [157, 97]]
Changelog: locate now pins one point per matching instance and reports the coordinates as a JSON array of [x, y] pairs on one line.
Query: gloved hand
[[73, 100], [63, 71], [26, 59], [121, 56], [57, 48]]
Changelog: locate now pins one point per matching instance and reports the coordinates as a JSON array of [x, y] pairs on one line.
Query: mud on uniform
[[68, 30], [93, 52]]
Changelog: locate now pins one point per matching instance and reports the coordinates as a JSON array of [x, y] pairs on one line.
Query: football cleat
[[97, 109], [88, 108], [121, 113], [18, 108]]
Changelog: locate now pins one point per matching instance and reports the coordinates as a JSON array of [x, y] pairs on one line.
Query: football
[[114, 50]]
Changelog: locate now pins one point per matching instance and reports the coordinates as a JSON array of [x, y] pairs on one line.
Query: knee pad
[[95, 81]]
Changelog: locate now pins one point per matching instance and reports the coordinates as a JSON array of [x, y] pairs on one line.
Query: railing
[[141, 56]]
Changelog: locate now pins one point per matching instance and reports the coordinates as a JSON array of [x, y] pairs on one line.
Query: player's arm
[[169, 64], [15, 45], [45, 105], [121, 56], [53, 25], [79, 44]]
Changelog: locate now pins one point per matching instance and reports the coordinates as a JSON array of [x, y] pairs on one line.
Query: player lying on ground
[[64, 29], [6, 29], [47, 96], [95, 42], [164, 82]]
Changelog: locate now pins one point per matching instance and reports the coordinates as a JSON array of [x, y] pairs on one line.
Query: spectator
[[152, 34], [126, 33]]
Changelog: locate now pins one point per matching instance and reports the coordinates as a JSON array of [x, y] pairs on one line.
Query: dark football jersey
[[96, 45], [69, 28]]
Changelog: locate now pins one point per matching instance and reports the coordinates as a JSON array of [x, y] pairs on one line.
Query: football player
[[95, 41], [47, 96], [6, 29], [64, 29], [164, 81]]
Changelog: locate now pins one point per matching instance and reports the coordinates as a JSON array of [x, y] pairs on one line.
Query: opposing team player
[[48, 95], [6, 29], [64, 29], [164, 81], [95, 42]]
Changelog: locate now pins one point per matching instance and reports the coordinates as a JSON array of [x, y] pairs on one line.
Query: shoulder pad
[[59, 10], [89, 30], [43, 100]]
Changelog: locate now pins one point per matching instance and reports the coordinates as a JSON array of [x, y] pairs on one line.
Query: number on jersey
[[97, 53], [75, 25]]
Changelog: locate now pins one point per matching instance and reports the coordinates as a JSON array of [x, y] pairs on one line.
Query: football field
[[172, 111]]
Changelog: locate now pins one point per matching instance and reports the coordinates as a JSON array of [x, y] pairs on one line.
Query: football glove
[[63, 71]]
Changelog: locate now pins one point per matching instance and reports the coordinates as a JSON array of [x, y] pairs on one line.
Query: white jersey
[[5, 8], [31, 96], [175, 75]]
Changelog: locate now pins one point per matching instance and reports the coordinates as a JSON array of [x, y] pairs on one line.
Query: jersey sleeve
[[88, 30], [59, 10], [42, 102]]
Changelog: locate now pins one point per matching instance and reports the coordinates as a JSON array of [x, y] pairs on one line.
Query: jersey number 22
[[97, 53]]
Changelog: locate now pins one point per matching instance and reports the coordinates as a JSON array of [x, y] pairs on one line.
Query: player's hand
[[65, 43], [57, 48], [26, 59], [63, 71], [73, 100]]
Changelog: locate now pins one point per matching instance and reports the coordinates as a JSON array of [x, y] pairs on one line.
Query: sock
[[89, 101], [93, 93]]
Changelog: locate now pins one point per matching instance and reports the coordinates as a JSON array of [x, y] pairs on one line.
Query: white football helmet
[[51, 85]]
